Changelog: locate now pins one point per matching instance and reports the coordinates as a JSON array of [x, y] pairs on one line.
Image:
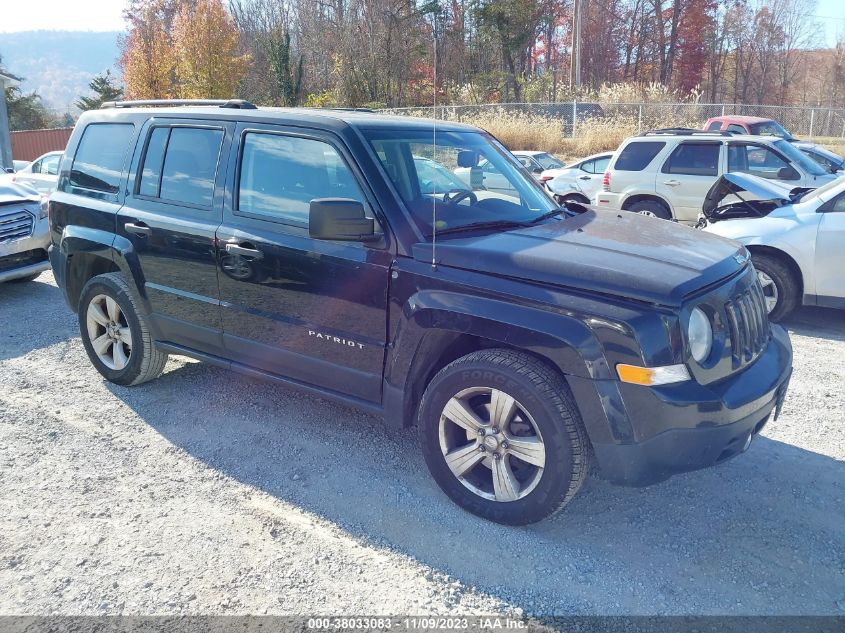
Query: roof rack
[[686, 131], [351, 109], [236, 104]]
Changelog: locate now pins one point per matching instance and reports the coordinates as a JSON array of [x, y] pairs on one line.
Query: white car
[[667, 173], [796, 237], [535, 162], [580, 181], [42, 174]]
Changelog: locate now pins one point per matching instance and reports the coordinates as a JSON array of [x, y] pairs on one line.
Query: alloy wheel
[[770, 290], [491, 444], [109, 333]]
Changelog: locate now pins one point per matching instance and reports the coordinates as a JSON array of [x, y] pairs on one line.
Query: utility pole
[[575, 61]]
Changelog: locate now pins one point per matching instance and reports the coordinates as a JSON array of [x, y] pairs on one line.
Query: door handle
[[237, 249], [138, 229], [583, 177], [672, 183]]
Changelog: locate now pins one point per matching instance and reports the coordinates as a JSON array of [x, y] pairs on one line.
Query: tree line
[[409, 52]]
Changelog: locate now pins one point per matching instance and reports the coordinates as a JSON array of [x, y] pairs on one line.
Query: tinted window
[[772, 128], [733, 127], [281, 175], [153, 160], [100, 157], [694, 159], [715, 126], [190, 165], [637, 155]]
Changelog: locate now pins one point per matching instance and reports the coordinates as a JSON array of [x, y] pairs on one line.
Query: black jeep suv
[[346, 254]]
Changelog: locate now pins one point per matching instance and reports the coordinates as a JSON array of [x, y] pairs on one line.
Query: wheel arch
[[784, 257], [631, 200]]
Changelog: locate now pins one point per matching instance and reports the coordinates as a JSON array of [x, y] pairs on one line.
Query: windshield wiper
[[553, 213], [479, 226]]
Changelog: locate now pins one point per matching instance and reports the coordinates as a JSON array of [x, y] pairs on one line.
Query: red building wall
[[30, 144]]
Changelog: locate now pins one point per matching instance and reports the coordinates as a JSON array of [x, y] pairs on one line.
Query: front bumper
[[26, 256], [688, 426]]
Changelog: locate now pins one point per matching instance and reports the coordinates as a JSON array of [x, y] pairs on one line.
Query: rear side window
[[694, 159], [733, 127], [715, 126], [280, 176], [101, 156], [637, 155], [180, 165]]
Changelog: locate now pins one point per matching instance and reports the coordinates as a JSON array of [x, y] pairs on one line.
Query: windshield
[[798, 157], [769, 128], [547, 161], [470, 179]]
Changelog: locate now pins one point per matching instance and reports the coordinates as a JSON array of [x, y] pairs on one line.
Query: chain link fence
[[804, 122]]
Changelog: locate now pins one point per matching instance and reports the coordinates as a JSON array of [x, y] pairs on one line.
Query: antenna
[[434, 152]]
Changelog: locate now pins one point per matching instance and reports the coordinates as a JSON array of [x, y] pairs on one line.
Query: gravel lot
[[205, 492]]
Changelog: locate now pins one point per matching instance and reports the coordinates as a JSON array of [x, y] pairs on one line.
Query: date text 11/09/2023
[[492, 623]]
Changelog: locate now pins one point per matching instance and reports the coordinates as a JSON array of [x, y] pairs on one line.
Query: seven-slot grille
[[748, 324], [15, 225]]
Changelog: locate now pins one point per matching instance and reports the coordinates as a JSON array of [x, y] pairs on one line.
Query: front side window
[[637, 155], [769, 128], [180, 164], [485, 185], [761, 161], [715, 126], [733, 127], [101, 156], [280, 175], [50, 165], [694, 159]]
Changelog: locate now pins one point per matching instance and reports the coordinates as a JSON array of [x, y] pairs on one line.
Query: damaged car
[[795, 236], [24, 233]]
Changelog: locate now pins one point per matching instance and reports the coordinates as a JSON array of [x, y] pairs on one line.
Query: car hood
[[17, 192], [733, 184], [623, 254]]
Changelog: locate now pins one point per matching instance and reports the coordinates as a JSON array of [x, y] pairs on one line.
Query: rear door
[[44, 174], [311, 310], [830, 254], [170, 217], [590, 174], [687, 175]]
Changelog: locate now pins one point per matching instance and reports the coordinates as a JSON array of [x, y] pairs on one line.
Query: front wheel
[[651, 208], [115, 334], [781, 290], [502, 436]]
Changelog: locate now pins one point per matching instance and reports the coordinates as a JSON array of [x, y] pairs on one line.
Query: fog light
[[651, 376]]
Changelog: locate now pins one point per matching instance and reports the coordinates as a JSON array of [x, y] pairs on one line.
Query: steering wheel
[[460, 194]]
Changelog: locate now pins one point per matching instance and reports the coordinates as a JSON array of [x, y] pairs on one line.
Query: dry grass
[[521, 131]]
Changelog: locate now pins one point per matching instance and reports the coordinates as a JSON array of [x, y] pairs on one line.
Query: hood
[[17, 192], [610, 252], [758, 188]]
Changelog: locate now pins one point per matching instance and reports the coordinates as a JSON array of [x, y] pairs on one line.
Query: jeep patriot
[[526, 341]]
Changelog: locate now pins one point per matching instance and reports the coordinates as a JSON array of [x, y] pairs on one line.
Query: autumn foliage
[[181, 48]]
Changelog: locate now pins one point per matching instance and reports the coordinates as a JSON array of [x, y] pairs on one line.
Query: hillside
[[58, 64]]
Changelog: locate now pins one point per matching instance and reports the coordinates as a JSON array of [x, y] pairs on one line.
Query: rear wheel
[[651, 208], [781, 289], [115, 334], [502, 437]]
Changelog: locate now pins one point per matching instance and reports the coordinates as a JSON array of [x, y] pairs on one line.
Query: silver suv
[[667, 173], [24, 233]]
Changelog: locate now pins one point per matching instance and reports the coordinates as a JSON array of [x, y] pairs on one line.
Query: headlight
[[699, 335], [42, 209]]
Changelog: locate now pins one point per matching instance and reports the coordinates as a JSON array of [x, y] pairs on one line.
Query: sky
[[105, 15]]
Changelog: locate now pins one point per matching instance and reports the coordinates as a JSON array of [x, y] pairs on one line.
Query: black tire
[[145, 361], [651, 207], [544, 395], [23, 280], [787, 285]]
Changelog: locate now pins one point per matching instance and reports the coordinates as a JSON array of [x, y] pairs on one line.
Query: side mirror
[[788, 173], [467, 158], [339, 219], [537, 170], [9, 170]]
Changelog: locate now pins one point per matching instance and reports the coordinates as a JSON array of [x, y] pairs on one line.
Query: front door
[[687, 175], [830, 254], [170, 217], [311, 310]]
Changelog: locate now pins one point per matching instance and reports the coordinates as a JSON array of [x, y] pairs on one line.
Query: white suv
[[667, 173]]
